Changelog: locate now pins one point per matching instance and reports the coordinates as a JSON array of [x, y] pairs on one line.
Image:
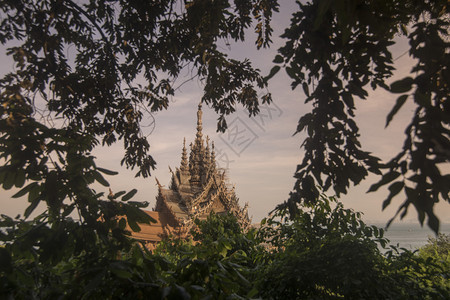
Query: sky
[[260, 153]]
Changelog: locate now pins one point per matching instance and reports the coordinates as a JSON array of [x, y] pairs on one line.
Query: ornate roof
[[198, 187]]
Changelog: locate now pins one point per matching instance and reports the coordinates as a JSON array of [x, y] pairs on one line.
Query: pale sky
[[262, 164]]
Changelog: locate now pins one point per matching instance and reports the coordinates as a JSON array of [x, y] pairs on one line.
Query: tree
[[327, 252], [219, 262], [74, 85], [438, 248], [336, 50]]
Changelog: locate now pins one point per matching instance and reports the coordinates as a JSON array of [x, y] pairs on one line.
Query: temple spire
[[207, 159], [199, 122], [213, 157], [184, 159]]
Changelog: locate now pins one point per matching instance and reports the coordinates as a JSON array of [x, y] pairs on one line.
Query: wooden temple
[[197, 188]]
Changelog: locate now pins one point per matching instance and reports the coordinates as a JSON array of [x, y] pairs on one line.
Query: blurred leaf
[[272, 72], [32, 207], [400, 101], [388, 177], [402, 86], [25, 190], [107, 172], [100, 179], [394, 189], [278, 59], [129, 195]]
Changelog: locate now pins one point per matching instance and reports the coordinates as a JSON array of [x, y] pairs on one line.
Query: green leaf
[[107, 172], [278, 59], [433, 222], [25, 190], [402, 86], [34, 192], [129, 195], [100, 179], [388, 177], [118, 194], [134, 225], [291, 72], [348, 100], [272, 72], [19, 179], [226, 244], [305, 88], [139, 204], [31, 207], [400, 101], [9, 180], [394, 189]]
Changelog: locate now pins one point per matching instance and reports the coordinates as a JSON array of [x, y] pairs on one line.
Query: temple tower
[[198, 187]]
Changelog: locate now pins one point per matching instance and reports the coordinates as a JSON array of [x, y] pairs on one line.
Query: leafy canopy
[[327, 252], [335, 51], [75, 84]]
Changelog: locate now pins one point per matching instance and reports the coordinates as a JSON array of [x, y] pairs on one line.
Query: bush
[[328, 252]]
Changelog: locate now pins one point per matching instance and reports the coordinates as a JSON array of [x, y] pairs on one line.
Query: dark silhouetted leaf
[[400, 101], [402, 86], [388, 177], [272, 72], [278, 59], [25, 190], [129, 195], [100, 179], [107, 172]]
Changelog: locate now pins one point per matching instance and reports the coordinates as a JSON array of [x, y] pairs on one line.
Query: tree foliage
[[336, 51], [76, 83], [325, 252], [328, 252], [438, 247]]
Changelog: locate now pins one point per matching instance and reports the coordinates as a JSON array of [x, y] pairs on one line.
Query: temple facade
[[197, 188]]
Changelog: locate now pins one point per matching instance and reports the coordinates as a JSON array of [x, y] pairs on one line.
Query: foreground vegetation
[[326, 252]]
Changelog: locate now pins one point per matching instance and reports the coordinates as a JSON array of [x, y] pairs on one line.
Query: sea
[[411, 236]]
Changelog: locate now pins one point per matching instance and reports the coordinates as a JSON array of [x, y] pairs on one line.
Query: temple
[[197, 188]]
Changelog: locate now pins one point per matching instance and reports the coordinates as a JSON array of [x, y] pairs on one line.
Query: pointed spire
[[184, 159], [193, 165], [213, 157], [207, 159], [207, 152], [191, 157], [198, 143], [199, 121]]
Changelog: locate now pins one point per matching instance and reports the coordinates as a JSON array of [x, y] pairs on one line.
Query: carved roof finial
[[184, 159], [213, 157], [191, 156], [158, 183], [207, 159], [199, 121]]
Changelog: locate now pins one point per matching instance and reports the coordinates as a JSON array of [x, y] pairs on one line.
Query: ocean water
[[411, 235]]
